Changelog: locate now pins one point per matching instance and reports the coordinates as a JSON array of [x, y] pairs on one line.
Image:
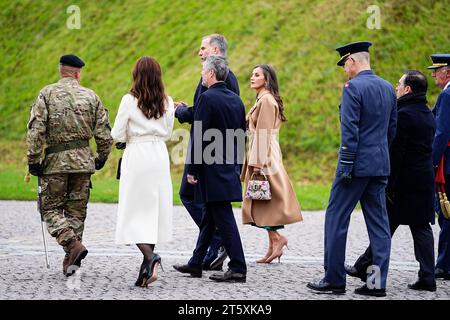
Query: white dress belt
[[146, 138]]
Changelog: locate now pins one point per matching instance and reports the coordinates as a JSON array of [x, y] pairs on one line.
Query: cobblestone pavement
[[109, 270]]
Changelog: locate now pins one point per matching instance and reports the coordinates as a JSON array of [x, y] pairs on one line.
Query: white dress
[[145, 192]]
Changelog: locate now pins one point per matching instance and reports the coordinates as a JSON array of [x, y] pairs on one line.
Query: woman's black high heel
[[151, 270], [138, 282]]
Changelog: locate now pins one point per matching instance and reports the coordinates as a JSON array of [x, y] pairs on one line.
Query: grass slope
[[297, 37]]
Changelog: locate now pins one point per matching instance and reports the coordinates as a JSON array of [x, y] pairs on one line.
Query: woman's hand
[[191, 179], [179, 103], [256, 170]]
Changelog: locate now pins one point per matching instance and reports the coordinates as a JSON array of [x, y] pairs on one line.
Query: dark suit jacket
[[186, 114], [218, 110], [368, 117], [411, 183]]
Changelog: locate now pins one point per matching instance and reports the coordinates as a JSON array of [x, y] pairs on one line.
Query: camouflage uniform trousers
[[64, 202]]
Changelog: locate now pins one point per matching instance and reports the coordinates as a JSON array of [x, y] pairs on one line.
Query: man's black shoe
[[229, 276], [208, 267], [221, 256], [325, 287], [441, 274], [422, 286], [185, 268], [365, 291], [353, 272]]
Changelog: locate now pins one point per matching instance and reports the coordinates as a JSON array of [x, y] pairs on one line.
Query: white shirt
[[446, 86]]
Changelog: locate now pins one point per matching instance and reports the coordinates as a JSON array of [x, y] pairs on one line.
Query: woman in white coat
[[144, 121]]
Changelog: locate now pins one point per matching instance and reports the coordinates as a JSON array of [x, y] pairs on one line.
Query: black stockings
[[147, 251]]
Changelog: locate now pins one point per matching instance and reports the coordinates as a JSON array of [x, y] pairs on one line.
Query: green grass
[[13, 168], [298, 37], [105, 189]]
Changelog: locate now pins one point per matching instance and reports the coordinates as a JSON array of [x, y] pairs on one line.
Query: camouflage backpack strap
[[67, 146]]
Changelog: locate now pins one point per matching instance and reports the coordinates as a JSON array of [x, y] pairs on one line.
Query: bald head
[[69, 72]]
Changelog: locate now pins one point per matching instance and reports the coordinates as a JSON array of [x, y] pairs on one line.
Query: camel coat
[[264, 152]]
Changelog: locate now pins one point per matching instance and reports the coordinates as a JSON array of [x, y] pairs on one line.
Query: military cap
[[71, 60], [350, 48], [440, 60]]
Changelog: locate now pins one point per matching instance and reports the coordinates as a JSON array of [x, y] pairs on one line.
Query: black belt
[[67, 146]]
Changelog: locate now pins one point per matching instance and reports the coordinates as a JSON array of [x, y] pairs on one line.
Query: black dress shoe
[[422, 286], [229, 276], [208, 267], [365, 291], [221, 256], [353, 272], [185, 268], [324, 287], [441, 274]]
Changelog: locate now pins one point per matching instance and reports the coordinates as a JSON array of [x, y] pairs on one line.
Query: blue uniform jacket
[[442, 113], [368, 115], [220, 109], [185, 114]]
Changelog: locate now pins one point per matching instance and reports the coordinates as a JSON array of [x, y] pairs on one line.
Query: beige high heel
[[268, 254], [278, 249]]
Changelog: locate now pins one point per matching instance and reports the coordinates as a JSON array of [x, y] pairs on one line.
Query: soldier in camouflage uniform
[[63, 119]]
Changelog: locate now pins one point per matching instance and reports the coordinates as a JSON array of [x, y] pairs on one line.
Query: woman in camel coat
[[264, 154]]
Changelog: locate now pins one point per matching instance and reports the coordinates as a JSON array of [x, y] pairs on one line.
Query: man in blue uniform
[[441, 75], [368, 116], [214, 44], [410, 190]]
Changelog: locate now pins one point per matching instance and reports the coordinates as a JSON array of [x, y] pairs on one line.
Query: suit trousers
[[196, 211], [344, 196], [220, 215], [423, 251]]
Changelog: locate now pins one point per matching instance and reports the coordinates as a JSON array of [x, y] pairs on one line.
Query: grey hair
[[218, 41], [363, 57], [219, 65]]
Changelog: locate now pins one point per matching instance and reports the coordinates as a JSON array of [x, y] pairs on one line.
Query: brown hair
[[148, 87], [272, 86]]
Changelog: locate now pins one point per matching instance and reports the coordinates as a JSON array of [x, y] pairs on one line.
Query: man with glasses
[[441, 151]]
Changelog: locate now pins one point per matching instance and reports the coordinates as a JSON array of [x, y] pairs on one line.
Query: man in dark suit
[[441, 153], [410, 190], [215, 168], [368, 117], [214, 44]]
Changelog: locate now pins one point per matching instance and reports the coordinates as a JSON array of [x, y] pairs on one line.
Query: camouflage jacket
[[65, 111]]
